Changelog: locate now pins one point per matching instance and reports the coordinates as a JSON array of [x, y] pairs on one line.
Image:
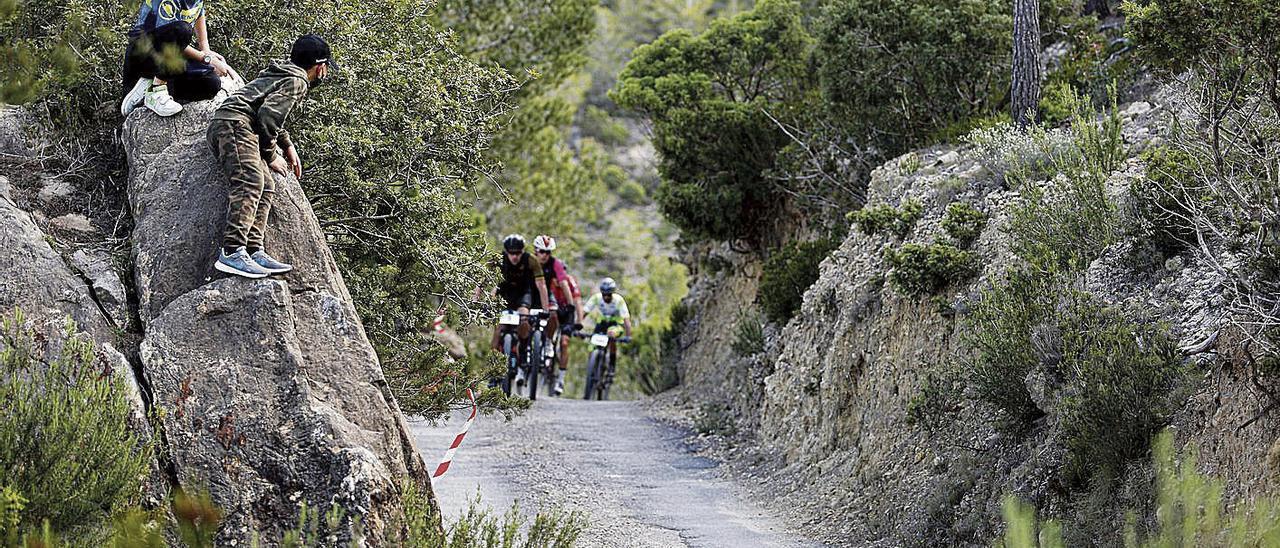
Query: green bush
[[879, 218], [920, 269], [1121, 374], [748, 339], [632, 193], [915, 66], [1067, 223], [1189, 512], [65, 442], [1116, 374], [788, 273], [998, 335], [963, 223], [1161, 202], [707, 96]]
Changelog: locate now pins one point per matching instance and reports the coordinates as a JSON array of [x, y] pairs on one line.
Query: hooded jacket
[[265, 103]]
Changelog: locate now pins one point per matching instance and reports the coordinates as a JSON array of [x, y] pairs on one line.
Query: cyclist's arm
[[577, 307], [626, 326], [542, 292]]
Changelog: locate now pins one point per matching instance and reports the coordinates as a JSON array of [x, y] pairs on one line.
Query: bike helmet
[[608, 286], [513, 242], [544, 243]]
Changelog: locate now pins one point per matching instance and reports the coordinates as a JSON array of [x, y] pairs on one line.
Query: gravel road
[[633, 477]]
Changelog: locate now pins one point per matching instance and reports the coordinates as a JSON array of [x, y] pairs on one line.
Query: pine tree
[[1026, 61]]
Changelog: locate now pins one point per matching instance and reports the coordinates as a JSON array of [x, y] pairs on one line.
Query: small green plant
[[788, 273], [963, 223], [65, 441], [909, 164], [923, 269], [748, 339], [998, 334], [1189, 512], [1067, 224], [879, 218], [939, 397], [477, 527], [715, 419], [198, 518], [1160, 199]]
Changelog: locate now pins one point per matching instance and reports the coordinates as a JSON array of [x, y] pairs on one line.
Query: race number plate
[[600, 339], [509, 318]]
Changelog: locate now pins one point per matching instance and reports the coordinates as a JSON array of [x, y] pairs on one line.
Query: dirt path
[[633, 477]]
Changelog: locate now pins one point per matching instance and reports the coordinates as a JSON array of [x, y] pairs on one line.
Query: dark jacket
[[266, 102]]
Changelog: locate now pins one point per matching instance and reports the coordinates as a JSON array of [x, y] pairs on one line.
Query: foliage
[[895, 71], [656, 316], [748, 339], [922, 269], [998, 334], [1190, 511], [1224, 40], [1115, 374], [788, 273], [477, 527], [43, 46], [1068, 221], [66, 446], [1023, 531], [1017, 155], [1159, 202], [708, 97], [963, 223], [874, 219], [198, 518], [939, 396], [1123, 373]]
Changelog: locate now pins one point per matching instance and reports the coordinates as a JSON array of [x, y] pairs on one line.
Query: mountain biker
[[563, 293], [608, 310], [522, 286]]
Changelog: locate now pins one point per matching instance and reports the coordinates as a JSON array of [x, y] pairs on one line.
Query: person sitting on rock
[[160, 62], [244, 133]]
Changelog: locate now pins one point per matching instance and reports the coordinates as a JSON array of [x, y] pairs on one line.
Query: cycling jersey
[[154, 14], [600, 311], [553, 271], [518, 279]]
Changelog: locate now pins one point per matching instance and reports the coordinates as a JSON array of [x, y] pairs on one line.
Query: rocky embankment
[[822, 412], [266, 393]]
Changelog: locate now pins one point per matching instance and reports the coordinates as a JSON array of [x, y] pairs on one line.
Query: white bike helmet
[[608, 286], [544, 243]]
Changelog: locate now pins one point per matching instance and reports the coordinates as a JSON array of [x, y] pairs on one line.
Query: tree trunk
[[1026, 62], [1101, 8]]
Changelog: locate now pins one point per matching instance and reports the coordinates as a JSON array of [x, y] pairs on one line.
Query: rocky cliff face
[[825, 406], [269, 391]]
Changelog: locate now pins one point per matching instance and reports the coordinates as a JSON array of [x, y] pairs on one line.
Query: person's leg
[[198, 82], [166, 52], [256, 236], [237, 148]]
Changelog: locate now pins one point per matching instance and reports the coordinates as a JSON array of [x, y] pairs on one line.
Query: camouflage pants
[[235, 145]]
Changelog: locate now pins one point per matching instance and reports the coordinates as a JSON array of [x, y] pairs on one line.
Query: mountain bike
[[600, 365], [518, 352]]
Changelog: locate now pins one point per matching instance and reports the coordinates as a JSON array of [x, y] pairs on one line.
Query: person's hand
[[217, 61], [291, 156], [278, 165]]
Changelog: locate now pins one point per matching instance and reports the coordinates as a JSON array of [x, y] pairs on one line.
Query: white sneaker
[[135, 96], [520, 377], [559, 389], [159, 101]]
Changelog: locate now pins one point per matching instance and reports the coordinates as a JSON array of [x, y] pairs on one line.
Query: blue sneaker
[[240, 264], [269, 264]]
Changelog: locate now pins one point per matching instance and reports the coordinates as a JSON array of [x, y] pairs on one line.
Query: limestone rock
[[272, 393], [54, 190], [74, 223], [107, 288], [16, 135], [34, 278]]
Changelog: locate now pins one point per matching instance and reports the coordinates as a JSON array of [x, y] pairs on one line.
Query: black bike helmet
[[513, 242], [608, 286]]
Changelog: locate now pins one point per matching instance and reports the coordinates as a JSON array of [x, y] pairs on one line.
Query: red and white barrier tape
[[438, 324], [457, 440]]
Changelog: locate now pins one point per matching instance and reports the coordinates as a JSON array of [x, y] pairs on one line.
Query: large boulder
[[35, 279], [272, 394]]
